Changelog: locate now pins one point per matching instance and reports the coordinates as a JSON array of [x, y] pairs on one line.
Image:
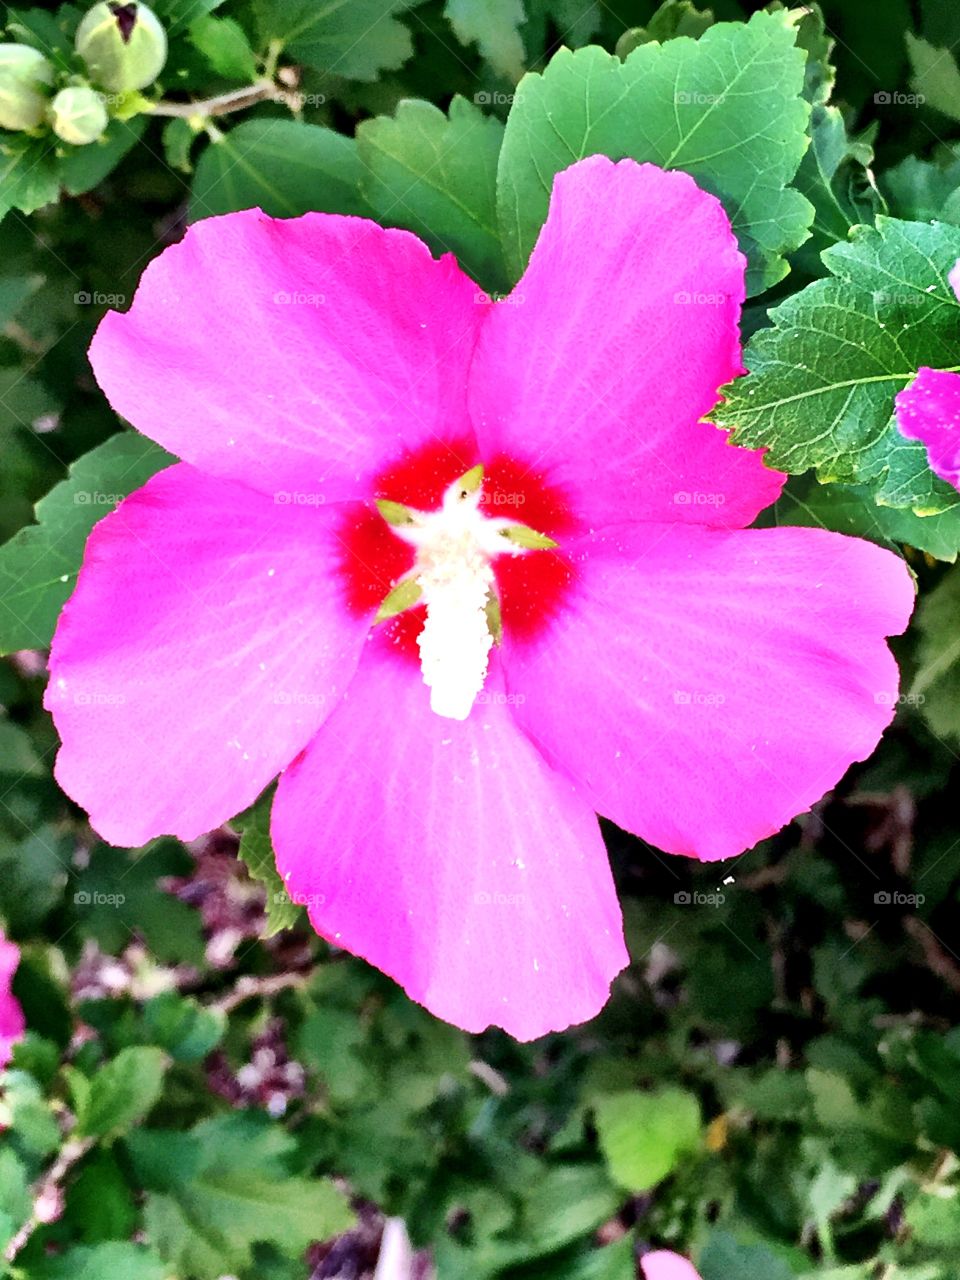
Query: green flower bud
[[24, 73], [123, 45], [78, 115]]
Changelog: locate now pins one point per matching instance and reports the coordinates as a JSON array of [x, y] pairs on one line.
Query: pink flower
[[12, 1025], [662, 1265], [929, 411], [698, 684]]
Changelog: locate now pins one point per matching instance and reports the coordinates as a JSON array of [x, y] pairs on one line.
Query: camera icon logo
[[682, 899]]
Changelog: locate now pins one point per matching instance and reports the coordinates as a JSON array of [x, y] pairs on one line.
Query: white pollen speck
[[271, 572], [445, 742], [64, 577], [728, 879], [263, 666], [536, 966]]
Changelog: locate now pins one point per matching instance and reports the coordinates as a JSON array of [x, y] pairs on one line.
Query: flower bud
[[24, 72], [123, 45], [78, 115]]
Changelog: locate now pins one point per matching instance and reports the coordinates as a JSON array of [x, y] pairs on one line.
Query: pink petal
[[12, 1024], [613, 346], [663, 1265], [703, 688], [929, 411], [204, 643], [297, 355], [451, 856], [953, 276]]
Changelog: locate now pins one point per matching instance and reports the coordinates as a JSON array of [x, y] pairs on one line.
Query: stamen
[[453, 577]]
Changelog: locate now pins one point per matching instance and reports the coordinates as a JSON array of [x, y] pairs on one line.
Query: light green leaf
[[936, 685], [29, 176], [224, 44], [936, 77], [221, 1188], [355, 39], [115, 1259], [673, 18], [644, 1135], [438, 177], [823, 378], [256, 852], [494, 27], [284, 167], [726, 108], [122, 1092], [38, 567]]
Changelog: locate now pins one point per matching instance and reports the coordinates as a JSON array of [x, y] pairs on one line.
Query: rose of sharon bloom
[[589, 629], [12, 1025], [929, 411], [663, 1265]]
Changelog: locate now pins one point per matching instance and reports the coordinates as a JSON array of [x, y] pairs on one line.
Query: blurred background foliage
[[773, 1087]]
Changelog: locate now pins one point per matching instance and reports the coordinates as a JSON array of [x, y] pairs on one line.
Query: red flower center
[[530, 587]]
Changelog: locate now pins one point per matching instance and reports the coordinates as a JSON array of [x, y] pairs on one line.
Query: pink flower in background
[[662, 1265], [928, 410], [12, 1025], [353, 415]]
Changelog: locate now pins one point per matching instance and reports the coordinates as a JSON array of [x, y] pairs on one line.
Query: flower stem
[[223, 104]]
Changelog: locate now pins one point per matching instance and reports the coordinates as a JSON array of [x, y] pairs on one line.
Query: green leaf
[[82, 168], [15, 1199], [494, 27], [355, 39], [936, 685], [698, 105], [256, 852], [438, 177], [216, 1191], [224, 44], [122, 1093], [921, 190], [644, 1135], [851, 509], [29, 176], [936, 76], [39, 565], [18, 755], [673, 18], [823, 378], [284, 167], [116, 1259], [723, 1258], [178, 139], [834, 175], [177, 15]]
